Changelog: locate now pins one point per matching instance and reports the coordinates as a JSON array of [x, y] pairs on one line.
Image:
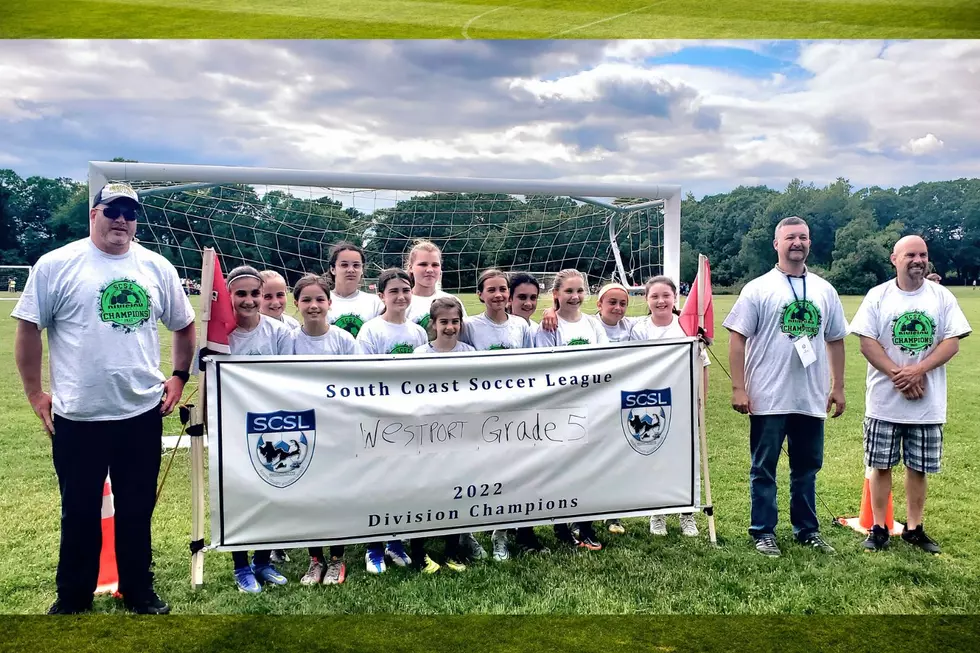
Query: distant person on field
[[786, 341], [11, 285], [909, 328], [100, 299]]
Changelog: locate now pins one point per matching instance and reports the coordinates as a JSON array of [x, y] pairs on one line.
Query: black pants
[[240, 558], [128, 451], [336, 551]]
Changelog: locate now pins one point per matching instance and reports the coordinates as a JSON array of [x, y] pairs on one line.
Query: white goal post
[[249, 214]]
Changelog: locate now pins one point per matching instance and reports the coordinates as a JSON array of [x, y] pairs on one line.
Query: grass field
[[491, 19], [635, 574]]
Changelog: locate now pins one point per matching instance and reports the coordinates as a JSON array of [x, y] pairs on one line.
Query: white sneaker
[[688, 526], [499, 540], [658, 525], [374, 561], [395, 551]]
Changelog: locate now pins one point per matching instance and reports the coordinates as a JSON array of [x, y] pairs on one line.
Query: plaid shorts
[[922, 445]]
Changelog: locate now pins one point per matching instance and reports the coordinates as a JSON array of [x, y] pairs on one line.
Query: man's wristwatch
[[181, 374]]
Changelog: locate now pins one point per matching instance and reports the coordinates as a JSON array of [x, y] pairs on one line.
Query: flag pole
[[702, 428], [196, 429]]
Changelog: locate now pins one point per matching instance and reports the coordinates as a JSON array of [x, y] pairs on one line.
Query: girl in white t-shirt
[[445, 325], [424, 267], [574, 328], [350, 307], [523, 302], [273, 305], [257, 335], [274, 298], [661, 296], [495, 328], [311, 295], [612, 303], [390, 333]]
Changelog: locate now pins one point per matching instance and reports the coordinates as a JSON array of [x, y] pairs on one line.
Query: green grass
[[635, 575], [491, 19], [475, 634]]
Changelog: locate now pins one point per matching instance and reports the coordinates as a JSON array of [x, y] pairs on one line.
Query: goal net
[[12, 279], [287, 220]]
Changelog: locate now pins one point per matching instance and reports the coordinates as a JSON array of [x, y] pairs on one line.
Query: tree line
[[852, 230]]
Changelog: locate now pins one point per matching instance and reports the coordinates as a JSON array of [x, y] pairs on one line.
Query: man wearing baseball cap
[[100, 298]]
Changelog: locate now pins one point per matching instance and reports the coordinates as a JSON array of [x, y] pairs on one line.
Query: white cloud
[[928, 144], [869, 111]]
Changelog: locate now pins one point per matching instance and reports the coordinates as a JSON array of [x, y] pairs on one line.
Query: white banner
[[309, 451]]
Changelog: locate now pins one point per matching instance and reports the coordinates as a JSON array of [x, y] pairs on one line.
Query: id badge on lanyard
[[804, 348]]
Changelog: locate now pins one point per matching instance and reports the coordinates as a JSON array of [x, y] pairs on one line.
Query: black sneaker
[[917, 537], [278, 555], [66, 607], [877, 539], [530, 545], [766, 545], [815, 541], [148, 603], [564, 536]]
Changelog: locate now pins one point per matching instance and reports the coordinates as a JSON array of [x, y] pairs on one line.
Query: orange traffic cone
[[108, 573], [866, 520]]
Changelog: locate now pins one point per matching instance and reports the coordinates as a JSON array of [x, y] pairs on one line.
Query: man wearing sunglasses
[[100, 298]]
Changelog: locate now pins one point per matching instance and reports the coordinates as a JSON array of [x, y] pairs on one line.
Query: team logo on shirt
[[913, 331], [645, 416], [801, 318], [424, 321], [124, 304], [578, 341], [280, 444], [402, 348], [497, 347], [351, 323]]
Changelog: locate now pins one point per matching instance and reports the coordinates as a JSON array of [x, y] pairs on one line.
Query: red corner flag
[[699, 303], [222, 320]]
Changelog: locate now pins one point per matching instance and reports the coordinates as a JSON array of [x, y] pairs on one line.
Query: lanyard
[[790, 280]]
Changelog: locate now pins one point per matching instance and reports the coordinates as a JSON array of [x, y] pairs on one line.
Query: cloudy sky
[[706, 115]]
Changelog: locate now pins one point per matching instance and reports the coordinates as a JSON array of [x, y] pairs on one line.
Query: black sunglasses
[[113, 212]]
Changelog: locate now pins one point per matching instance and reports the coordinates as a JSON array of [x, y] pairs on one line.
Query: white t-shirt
[[645, 329], [101, 313], [586, 331], [429, 349], [378, 336], [335, 341], [620, 332], [772, 316], [290, 321], [270, 338], [418, 311], [351, 313], [535, 327], [909, 326], [485, 334]]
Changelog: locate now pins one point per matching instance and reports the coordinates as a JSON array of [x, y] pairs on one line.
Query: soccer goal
[[287, 220], [13, 278]]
